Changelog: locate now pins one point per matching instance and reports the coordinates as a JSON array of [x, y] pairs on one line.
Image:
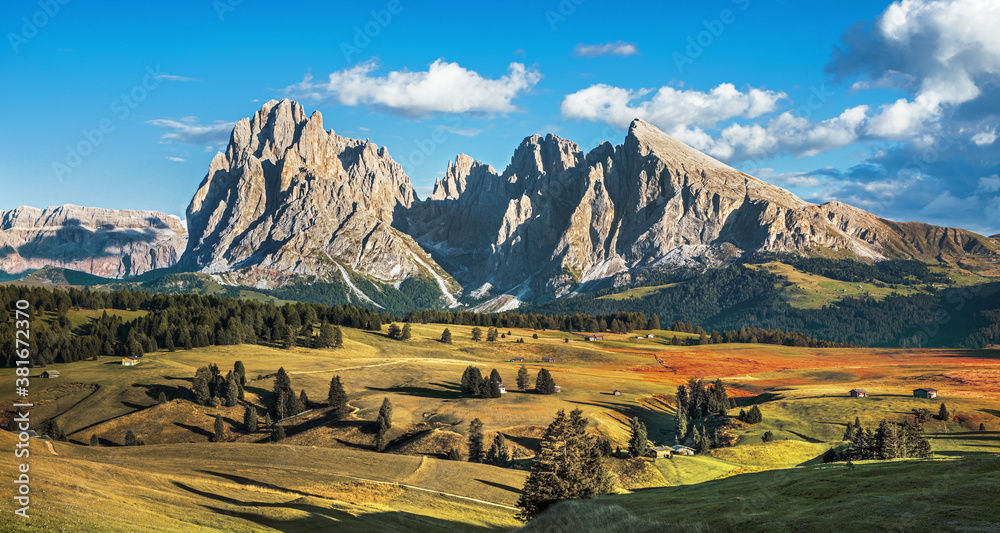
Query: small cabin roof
[[925, 389]]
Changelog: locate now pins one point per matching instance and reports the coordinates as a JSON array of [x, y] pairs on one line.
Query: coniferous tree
[[454, 455], [491, 335], [943, 413], [385, 413], [200, 388], [522, 378], [499, 454], [304, 399], [220, 429], [283, 404], [680, 425], [569, 466], [654, 323], [250, 419], [982, 426], [406, 333], [232, 390], [162, 398], [278, 434], [446, 336], [241, 373], [130, 439], [544, 384], [337, 397], [638, 442], [767, 437], [477, 452], [338, 337], [477, 334], [394, 332], [267, 419], [94, 441]]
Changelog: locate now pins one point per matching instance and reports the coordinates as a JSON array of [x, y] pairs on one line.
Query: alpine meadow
[[728, 266]]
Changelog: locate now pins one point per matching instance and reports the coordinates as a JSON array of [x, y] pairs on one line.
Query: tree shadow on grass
[[172, 392], [423, 392], [195, 429], [805, 438], [500, 486]]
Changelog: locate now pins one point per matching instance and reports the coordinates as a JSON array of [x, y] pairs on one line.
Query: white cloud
[[464, 132], [171, 77], [788, 179], [188, 131], [176, 159], [443, 88], [989, 184], [617, 48], [669, 109], [948, 204], [984, 138], [943, 52]]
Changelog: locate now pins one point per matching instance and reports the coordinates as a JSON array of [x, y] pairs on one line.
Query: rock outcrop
[[555, 219], [103, 242], [290, 198]]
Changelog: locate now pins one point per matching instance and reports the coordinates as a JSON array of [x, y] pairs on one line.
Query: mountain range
[[290, 202]]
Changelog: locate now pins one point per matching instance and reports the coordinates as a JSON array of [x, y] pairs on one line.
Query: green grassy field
[[802, 393]]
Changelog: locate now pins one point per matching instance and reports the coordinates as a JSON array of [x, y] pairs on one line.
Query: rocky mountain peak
[[104, 242], [538, 155]]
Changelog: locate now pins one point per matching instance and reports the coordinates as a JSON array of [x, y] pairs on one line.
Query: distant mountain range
[[289, 203]]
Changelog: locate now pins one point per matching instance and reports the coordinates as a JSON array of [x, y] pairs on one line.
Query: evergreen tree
[[472, 381], [499, 454], [982, 426], [278, 434], [683, 401], [199, 387], [385, 413], [454, 455], [338, 337], [380, 441], [767, 437], [282, 404], [337, 397], [220, 429], [325, 339], [544, 384], [569, 466], [241, 373], [638, 443], [94, 441], [491, 335], [250, 419], [446, 336], [232, 390], [304, 399], [654, 323], [680, 425], [406, 333], [477, 334], [162, 398], [943, 413], [394, 332], [522, 378], [130, 439], [477, 452]]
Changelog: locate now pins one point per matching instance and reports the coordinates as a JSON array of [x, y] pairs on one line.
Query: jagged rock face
[[288, 197], [555, 218], [103, 242]]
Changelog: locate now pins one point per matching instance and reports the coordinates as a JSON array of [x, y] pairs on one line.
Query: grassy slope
[[801, 391], [908, 495], [244, 487]]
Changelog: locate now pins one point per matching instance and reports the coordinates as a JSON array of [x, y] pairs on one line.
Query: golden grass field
[[325, 474]]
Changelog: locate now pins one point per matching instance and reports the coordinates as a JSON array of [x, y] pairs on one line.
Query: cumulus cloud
[[443, 88], [984, 138], [188, 131], [989, 184], [617, 48], [942, 52], [668, 108]]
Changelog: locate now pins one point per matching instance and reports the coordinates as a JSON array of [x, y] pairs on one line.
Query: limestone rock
[[103, 242]]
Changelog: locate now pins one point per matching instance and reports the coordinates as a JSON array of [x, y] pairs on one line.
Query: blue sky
[[888, 106]]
